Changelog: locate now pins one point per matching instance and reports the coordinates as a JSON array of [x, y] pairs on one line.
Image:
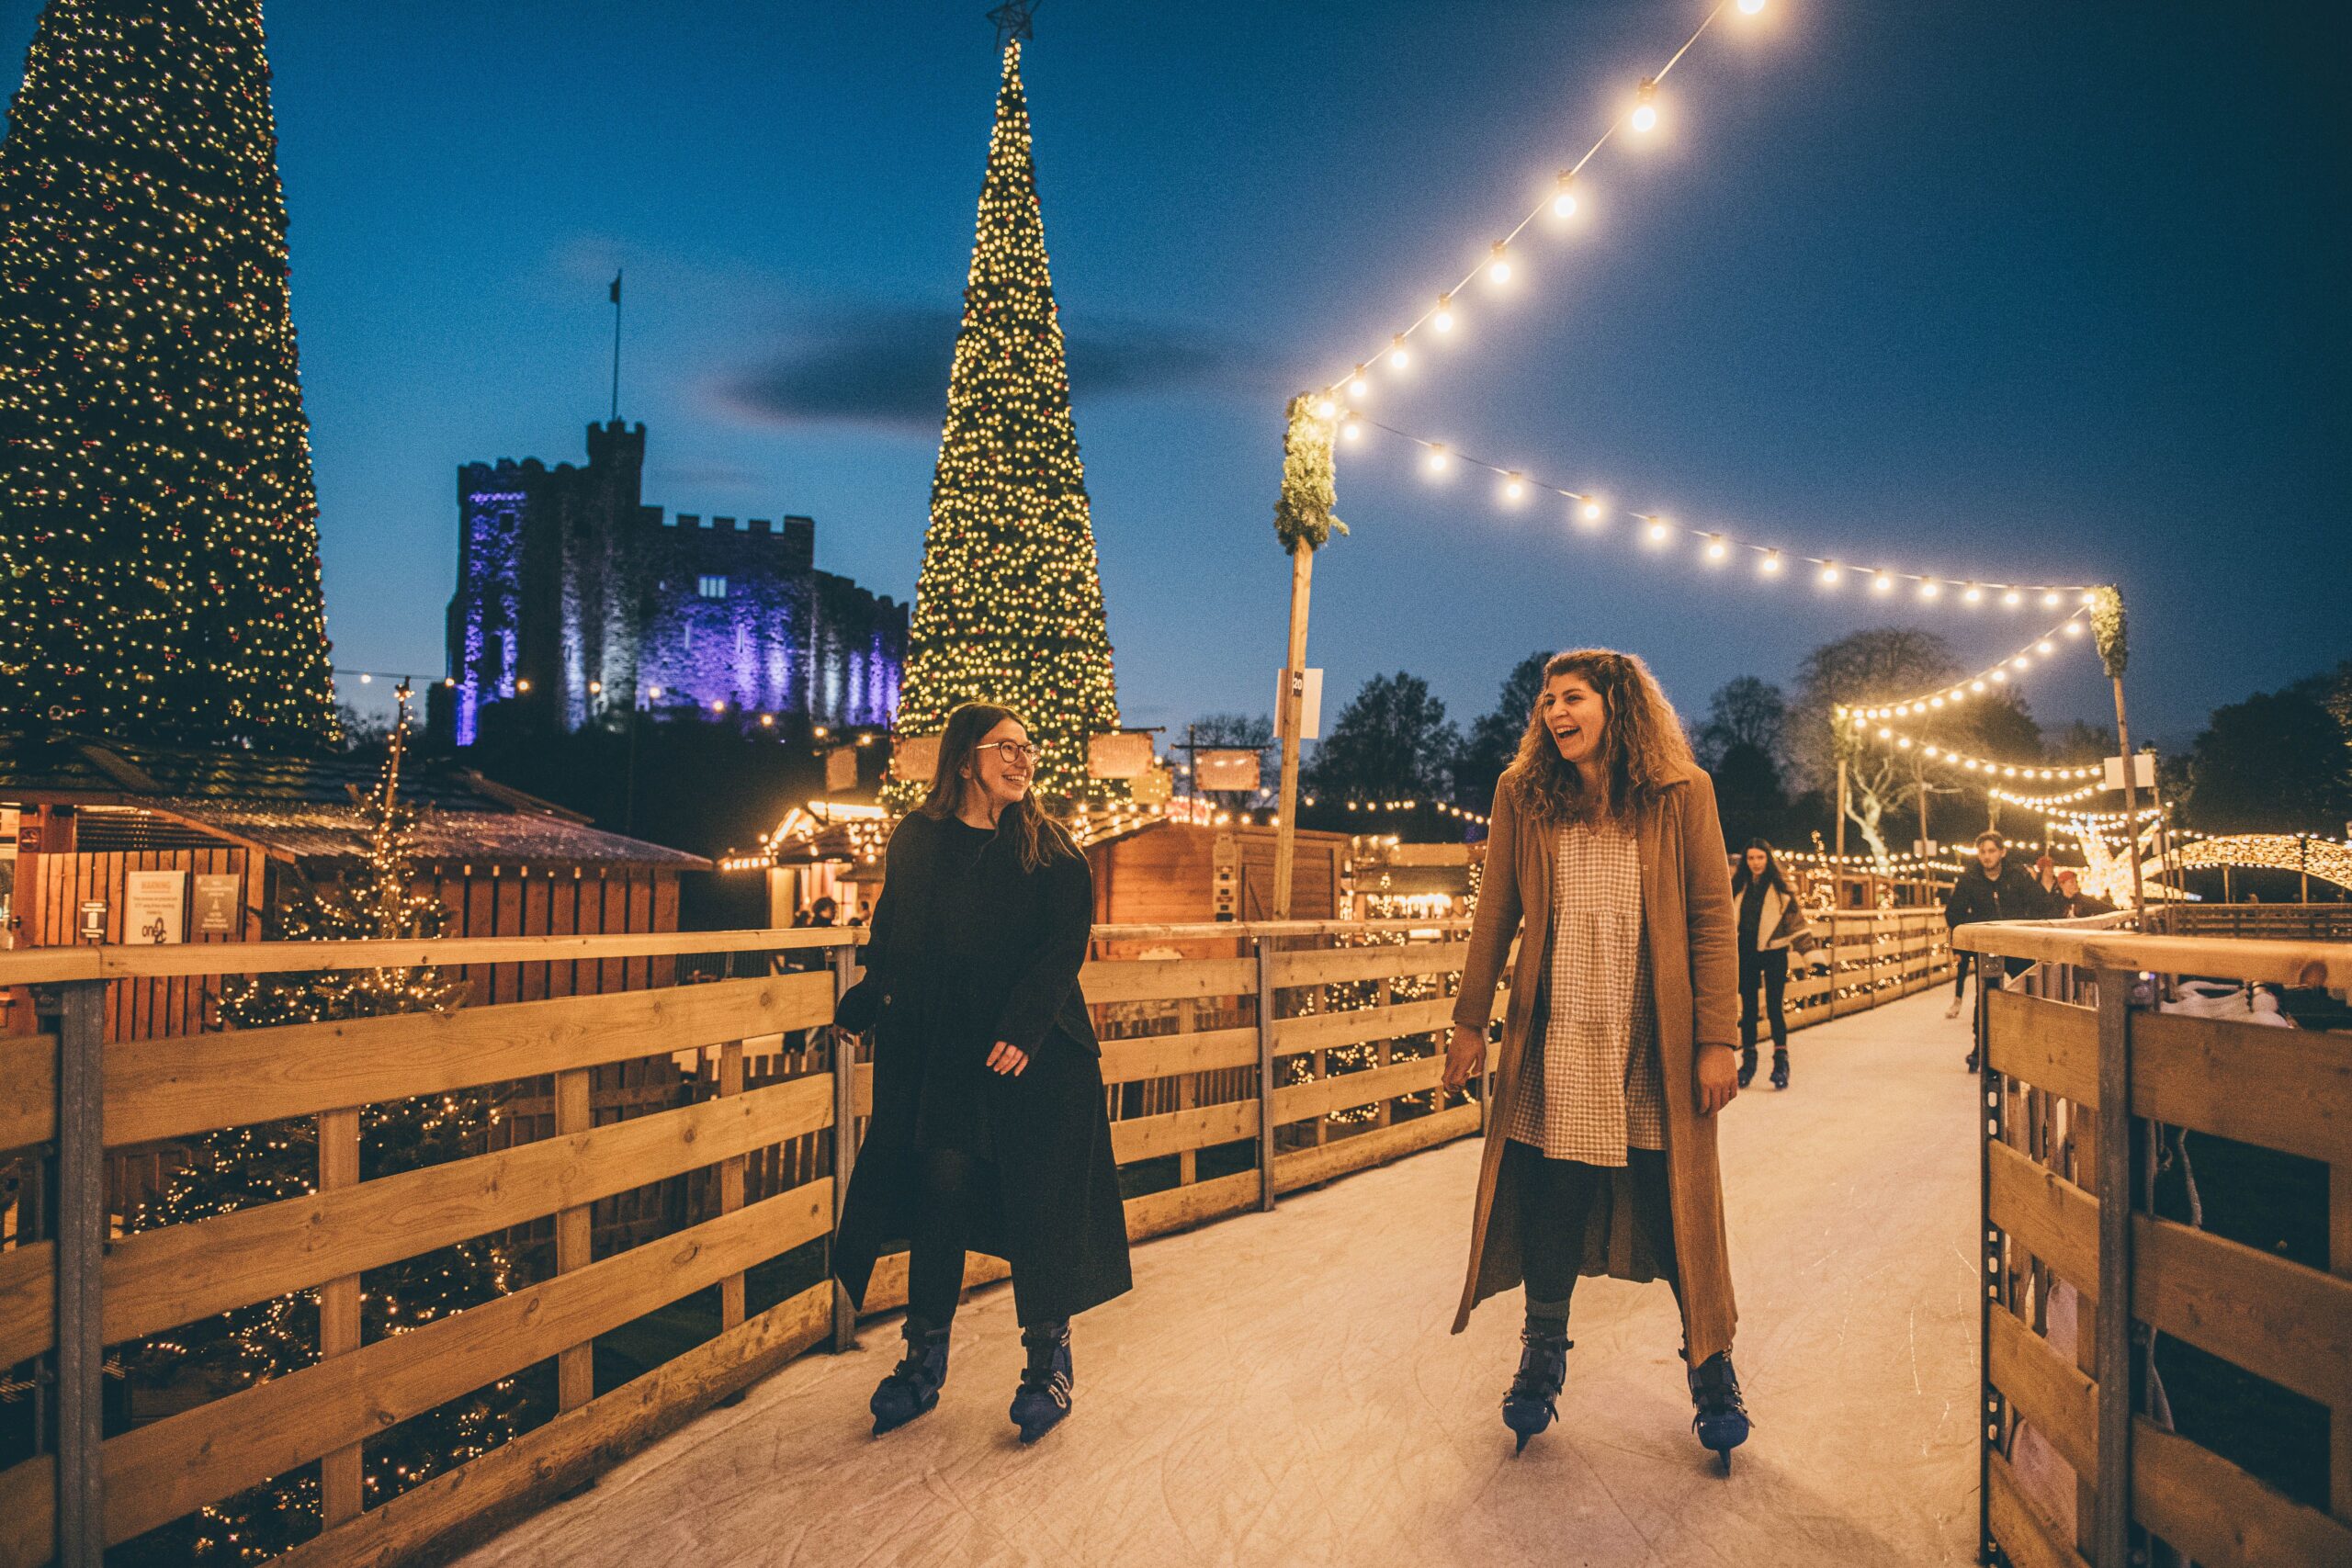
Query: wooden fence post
[[844, 1065], [81, 1244], [2111, 1539], [1989, 1282], [342, 1489], [575, 1369], [1265, 1072]]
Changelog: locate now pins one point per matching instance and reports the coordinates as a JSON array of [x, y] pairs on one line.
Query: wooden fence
[[2088, 1086], [1277, 1057]]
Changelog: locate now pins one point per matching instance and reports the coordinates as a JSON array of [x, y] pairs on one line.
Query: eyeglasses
[[1014, 753]]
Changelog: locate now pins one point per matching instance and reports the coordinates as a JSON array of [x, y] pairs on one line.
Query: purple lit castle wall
[[568, 581]]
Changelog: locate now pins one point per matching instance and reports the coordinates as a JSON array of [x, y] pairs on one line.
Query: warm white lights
[[1770, 565], [1644, 115], [1830, 575], [1749, 7], [1564, 201], [1882, 583], [1326, 409], [1514, 488], [1357, 385], [1442, 317], [1438, 459], [1716, 548], [1590, 510], [1499, 264], [1659, 531], [1352, 429]]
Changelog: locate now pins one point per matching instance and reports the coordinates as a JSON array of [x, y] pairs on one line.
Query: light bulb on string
[[1443, 318], [1645, 116], [1884, 582], [2012, 599], [1397, 357], [1749, 7], [1514, 488], [1564, 201], [1357, 385], [1438, 459], [1929, 588], [1352, 429], [1716, 548], [1590, 509], [1971, 594], [2049, 601], [1830, 575], [1499, 264], [1770, 565], [1325, 408], [1659, 531]]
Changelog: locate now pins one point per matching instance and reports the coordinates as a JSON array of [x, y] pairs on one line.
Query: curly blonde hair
[[1644, 747]]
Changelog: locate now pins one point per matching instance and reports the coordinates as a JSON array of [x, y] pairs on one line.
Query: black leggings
[[1770, 968], [952, 1182], [1555, 1198]]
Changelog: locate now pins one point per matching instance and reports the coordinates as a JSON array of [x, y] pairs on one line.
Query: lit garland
[[2044, 802], [2330, 860], [1989, 768], [1637, 114], [1984, 681], [1590, 513], [159, 551], [1009, 604], [1443, 807]]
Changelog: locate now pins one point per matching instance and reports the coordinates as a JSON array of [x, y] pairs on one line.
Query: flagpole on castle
[[616, 346]]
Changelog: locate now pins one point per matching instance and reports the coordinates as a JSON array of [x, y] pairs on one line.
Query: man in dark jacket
[[1994, 888], [2074, 903]]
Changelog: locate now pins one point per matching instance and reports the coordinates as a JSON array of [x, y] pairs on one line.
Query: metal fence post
[[80, 1243], [844, 1068], [1265, 1072]]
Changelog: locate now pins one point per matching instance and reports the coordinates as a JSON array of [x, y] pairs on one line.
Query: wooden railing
[[1273, 1057], [2086, 1278]]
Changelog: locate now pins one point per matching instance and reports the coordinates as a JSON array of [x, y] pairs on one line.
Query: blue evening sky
[[2001, 289]]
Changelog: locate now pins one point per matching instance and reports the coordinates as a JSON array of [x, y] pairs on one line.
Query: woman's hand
[[1466, 1052], [1008, 1059], [1718, 1073]]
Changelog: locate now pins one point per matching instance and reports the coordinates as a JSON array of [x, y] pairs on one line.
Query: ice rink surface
[[1281, 1389]]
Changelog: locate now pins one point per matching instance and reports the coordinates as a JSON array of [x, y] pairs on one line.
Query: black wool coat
[[1055, 1214], [2013, 896]]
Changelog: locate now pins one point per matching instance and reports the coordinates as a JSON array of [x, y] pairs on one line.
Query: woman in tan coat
[[1617, 1047]]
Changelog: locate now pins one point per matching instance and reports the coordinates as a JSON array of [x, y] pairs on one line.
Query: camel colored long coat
[[1693, 930]]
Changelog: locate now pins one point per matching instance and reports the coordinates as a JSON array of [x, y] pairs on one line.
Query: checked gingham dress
[[1591, 1088]]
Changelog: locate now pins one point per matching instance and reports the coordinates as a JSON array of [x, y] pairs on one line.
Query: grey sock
[[1549, 1316]]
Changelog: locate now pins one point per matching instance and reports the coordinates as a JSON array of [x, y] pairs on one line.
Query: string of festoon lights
[[2081, 823], [1990, 768], [1590, 512], [1984, 681], [1443, 807], [2044, 802], [1636, 114]]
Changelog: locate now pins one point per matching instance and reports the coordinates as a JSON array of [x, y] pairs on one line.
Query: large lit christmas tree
[[159, 551], [1009, 606]]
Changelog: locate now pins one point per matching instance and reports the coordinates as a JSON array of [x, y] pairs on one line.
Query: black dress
[[967, 950]]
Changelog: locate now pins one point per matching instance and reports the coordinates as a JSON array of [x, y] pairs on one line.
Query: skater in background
[[1772, 925], [1993, 887], [990, 1132], [1617, 1053]]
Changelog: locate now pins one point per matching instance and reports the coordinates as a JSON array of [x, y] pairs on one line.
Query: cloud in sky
[[885, 367]]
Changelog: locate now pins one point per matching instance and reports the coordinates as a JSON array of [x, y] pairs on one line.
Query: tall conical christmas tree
[[159, 546], [1009, 606]]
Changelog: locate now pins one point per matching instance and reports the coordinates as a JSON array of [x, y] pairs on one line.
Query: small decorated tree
[[247, 1167]]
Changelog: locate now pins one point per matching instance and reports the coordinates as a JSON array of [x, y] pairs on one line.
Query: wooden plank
[[1306, 1167], [158, 1280], [461, 1507], [1146, 1137], [1168, 1055], [1323, 1096], [1163, 979], [1382, 961], [28, 1512], [2236, 958], [2031, 1537], [2339, 1255], [2283, 1089], [2046, 1214], [27, 1091], [2274, 1317], [164, 1089], [2044, 1388], [1157, 1214], [340, 1488], [1320, 1032], [156, 1473], [2222, 1517], [28, 1301], [2050, 1045]]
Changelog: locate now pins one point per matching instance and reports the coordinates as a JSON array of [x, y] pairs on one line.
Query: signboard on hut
[[154, 907]]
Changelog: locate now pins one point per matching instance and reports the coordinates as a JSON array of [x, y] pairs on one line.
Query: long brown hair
[[1644, 748], [1036, 838]]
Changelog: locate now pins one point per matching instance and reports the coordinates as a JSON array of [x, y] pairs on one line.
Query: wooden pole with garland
[[1304, 522], [1009, 602], [159, 547], [2114, 652]]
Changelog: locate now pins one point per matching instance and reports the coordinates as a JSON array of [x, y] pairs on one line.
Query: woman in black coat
[[990, 1129]]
